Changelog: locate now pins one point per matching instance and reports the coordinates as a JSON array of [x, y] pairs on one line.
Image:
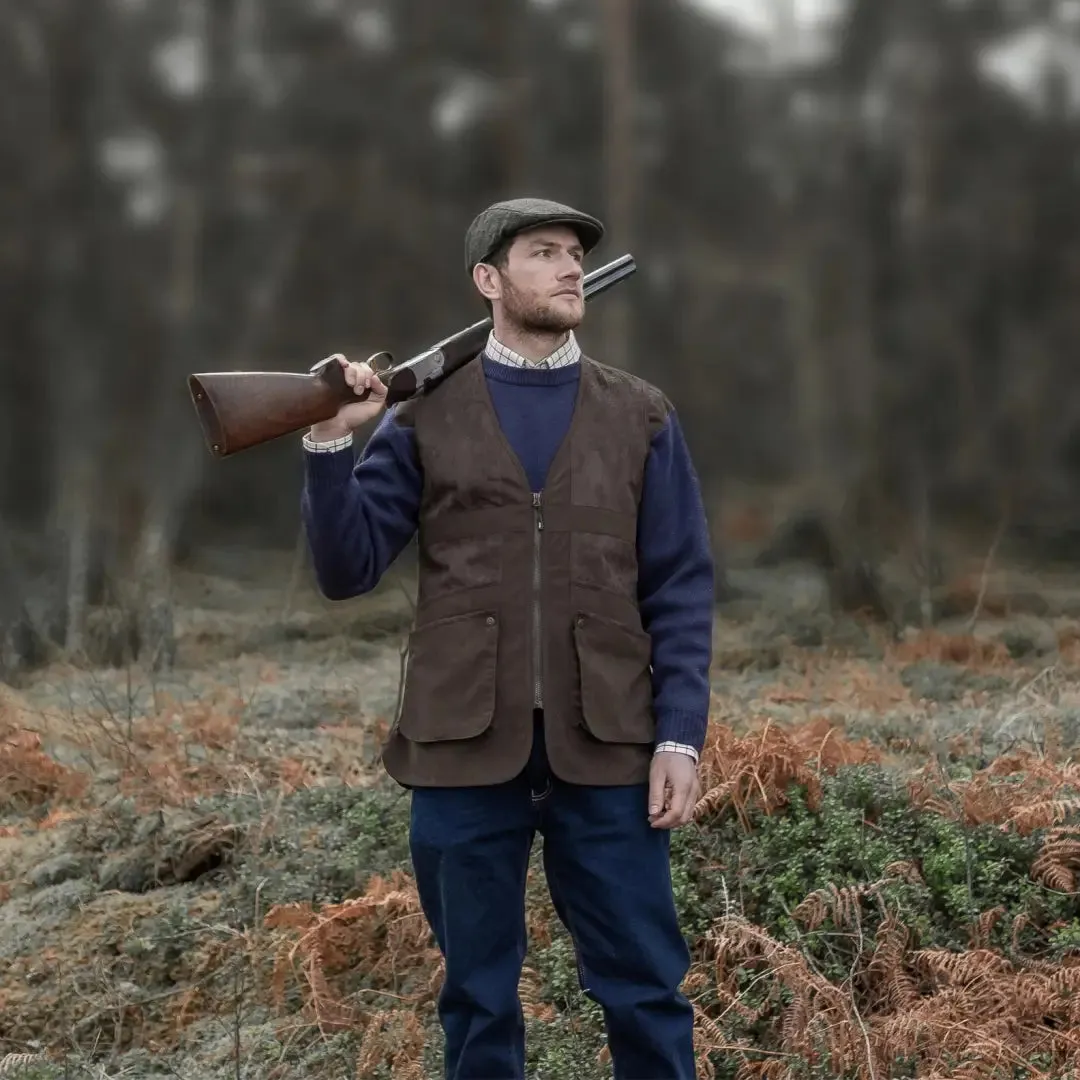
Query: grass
[[881, 882]]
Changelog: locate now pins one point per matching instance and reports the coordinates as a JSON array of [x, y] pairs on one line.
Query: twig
[[984, 579], [299, 554], [238, 998]]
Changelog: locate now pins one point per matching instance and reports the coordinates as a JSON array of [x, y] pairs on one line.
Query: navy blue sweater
[[360, 514]]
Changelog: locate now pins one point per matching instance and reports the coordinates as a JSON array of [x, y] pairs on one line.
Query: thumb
[[657, 790]]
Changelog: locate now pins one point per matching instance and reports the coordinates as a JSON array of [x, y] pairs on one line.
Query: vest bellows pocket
[[615, 680], [449, 689]]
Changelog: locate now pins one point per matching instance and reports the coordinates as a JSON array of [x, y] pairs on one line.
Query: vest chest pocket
[[615, 680], [449, 685]]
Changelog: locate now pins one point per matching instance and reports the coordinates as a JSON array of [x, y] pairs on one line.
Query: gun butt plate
[[209, 420]]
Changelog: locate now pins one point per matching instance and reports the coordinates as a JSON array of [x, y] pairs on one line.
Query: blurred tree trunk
[[76, 276], [620, 108], [174, 463], [834, 360], [510, 23], [923, 451]]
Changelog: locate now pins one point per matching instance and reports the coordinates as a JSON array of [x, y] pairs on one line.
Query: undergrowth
[[846, 920]]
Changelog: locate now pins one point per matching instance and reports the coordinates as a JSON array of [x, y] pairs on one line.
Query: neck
[[533, 345]]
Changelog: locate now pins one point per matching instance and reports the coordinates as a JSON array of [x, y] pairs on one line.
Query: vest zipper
[[538, 682]]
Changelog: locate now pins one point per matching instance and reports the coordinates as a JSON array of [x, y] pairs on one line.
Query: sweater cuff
[[684, 728], [326, 469]]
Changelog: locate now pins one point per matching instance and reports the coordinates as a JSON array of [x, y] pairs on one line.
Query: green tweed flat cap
[[503, 220]]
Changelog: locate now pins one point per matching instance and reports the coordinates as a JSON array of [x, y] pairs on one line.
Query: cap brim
[[590, 232]]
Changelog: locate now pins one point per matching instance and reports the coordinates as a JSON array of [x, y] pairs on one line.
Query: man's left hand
[[674, 789]]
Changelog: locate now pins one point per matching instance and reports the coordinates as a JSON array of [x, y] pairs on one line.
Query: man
[[557, 675]]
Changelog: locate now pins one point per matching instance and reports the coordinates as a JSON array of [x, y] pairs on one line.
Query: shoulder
[[450, 393], [634, 390], [402, 414]]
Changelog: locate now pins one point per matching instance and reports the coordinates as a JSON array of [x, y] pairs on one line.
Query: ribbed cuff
[[684, 728], [328, 468]]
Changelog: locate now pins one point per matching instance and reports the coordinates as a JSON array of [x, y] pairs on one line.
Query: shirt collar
[[568, 353]]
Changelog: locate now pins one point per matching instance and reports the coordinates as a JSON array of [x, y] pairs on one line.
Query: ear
[[487, 281]]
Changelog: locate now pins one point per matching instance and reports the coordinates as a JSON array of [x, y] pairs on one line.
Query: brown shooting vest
[[528, 600]]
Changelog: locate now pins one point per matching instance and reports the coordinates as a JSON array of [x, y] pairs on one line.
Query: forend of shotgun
[[241, 409]]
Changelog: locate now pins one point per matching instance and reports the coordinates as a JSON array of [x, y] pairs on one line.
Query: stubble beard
[[536, 318]]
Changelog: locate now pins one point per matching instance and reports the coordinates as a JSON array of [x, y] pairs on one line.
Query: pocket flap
[[614, 664], [449, 686]]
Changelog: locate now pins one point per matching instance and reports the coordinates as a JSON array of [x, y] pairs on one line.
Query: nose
[[571, 269]]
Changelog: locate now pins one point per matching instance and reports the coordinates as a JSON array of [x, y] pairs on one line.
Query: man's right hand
[[352, 414]]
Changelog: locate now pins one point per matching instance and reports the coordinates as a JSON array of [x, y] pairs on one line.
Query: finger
[[680, 795], [657, 789], [680, 799], [368, 384], [371, 390], [690, 811]]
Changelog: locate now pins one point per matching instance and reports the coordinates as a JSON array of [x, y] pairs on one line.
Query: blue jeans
[[608, 873]]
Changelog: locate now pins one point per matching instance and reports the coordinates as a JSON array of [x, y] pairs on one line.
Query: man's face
[[540, 286]]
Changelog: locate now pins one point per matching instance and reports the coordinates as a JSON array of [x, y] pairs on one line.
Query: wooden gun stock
[[241, 409]]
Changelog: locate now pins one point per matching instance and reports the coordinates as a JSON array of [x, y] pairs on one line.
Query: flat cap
[[503, 220]]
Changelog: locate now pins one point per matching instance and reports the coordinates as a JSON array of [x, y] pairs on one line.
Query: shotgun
[[241, 409]]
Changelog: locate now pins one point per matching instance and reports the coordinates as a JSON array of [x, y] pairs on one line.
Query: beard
[[536, 317]]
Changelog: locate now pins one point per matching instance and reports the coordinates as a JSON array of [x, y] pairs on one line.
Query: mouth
[[570, 292]]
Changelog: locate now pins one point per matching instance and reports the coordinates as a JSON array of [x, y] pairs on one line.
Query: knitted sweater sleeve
[[676, 587], [359, 514]]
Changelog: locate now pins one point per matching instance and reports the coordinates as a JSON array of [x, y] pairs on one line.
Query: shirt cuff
[[331, 447], [676, 748], [682, 728]]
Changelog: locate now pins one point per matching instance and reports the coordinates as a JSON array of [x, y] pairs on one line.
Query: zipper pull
[[538, 506]]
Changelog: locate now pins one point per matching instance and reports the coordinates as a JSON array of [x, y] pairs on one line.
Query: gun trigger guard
[[372, 362]]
